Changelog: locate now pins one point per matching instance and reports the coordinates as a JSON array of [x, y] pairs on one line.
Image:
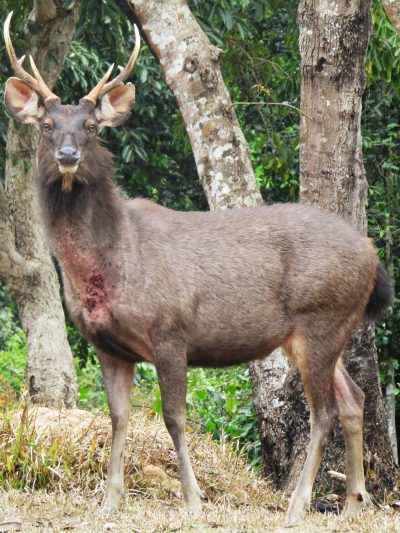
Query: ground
[[60, 512], [52, 470]]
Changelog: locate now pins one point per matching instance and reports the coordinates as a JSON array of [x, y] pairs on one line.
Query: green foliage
[[260, 66], [381, 135], [12, 368], [221, 400], [91, 393]]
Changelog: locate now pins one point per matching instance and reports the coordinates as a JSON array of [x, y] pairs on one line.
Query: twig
[[285, 104], [337, 475]]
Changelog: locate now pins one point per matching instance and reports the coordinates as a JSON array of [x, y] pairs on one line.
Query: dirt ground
[[59, 512]]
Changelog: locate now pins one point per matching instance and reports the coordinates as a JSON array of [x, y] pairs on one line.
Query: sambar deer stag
[[145, 283]]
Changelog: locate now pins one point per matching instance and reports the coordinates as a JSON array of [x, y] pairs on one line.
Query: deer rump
[[232, 285]]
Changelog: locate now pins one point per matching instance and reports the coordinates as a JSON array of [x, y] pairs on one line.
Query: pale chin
[[68, 169]]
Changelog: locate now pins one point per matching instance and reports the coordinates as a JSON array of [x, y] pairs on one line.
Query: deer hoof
[[108, 507], [293, 520], [356, 503], [194, 506]]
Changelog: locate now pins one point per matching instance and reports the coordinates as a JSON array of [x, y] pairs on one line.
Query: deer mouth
[[68, 169]]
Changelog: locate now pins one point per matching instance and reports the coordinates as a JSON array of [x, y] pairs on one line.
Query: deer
[[144, 283]]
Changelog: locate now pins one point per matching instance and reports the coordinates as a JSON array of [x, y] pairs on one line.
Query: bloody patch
[[95, 294]]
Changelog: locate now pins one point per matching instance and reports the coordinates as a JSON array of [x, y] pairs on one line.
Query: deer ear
[[115, 106], [22, 102]]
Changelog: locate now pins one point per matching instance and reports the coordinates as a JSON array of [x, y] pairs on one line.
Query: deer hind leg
[[118, 378], [350, 401], [172, 377], [316, 369]]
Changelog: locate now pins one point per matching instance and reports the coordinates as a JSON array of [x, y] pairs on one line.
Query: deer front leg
[[172, 375], [118, 378]]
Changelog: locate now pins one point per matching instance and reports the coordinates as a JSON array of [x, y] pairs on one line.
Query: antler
[[102, 87], [36, 83]]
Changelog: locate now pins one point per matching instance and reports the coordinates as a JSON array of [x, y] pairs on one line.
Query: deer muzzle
[[68, 159]]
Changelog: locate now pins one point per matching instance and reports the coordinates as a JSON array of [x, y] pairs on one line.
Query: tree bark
[[390, 387], [333, 44], [190, 66], [25, 261], [392, 8]]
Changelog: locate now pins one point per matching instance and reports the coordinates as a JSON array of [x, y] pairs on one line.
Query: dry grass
[[62, 512], [52, 466]]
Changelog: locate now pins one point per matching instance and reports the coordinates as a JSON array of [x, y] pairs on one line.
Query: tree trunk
[[190, 66], [333, 45], [390, 404], [392, 8], [25, 263], [390, 388]]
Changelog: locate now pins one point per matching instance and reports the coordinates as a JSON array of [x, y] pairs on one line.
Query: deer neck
[[87, 216]]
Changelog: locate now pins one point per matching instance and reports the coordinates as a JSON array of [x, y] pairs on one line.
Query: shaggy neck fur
[[88, 202]]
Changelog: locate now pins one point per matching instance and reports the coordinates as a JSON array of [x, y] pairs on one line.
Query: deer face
[[68, 132]]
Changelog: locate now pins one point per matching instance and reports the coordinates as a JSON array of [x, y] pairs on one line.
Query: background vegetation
[[153, 159]]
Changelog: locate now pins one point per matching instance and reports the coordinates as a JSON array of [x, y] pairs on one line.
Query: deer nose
[[68, 156]]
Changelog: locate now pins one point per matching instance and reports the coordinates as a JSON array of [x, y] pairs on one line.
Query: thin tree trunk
[[25, 262], [390, 388], [390, 404], [392, 8]]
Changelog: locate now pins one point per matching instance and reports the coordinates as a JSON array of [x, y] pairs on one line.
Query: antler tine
[[124, 74], [95, 92], [36, 83], [44, 90], [102, 87]]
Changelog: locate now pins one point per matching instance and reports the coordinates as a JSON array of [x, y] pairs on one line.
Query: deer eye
[[46, 127], [91, 128]]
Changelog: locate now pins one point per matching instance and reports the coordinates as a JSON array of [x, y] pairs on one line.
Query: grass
[[53, 464], [60, 512]]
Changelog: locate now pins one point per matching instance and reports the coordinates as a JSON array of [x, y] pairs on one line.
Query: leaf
[[232, 388], [210, 425], [231, 405], [157, 406], [201, 394]]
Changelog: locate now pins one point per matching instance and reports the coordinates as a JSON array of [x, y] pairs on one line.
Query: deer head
[[68, 132]]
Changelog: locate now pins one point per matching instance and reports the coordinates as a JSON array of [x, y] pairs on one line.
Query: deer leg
[[118, 378], [350, 401], [172, 376], [318, 385]]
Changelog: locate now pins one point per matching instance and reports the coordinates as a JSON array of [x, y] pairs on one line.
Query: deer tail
[[381, 295]]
